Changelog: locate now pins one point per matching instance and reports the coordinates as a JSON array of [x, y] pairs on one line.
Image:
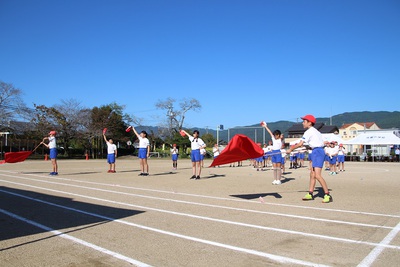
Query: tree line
[[80, 128]]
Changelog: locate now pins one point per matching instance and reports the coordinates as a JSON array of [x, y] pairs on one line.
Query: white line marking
[[219, 198], [211, 205], [337, 239], [76, 240], [280, 259], [374, 254]]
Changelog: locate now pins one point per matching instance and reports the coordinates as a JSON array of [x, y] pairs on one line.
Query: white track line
[[217, 198], [75, 240], [337, 239], [374, 254], [208, 205], [280, 259]]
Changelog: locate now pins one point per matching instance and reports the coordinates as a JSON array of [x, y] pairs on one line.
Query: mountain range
[[384, 120]]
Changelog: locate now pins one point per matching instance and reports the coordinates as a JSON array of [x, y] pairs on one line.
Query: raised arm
[[264, 124], [136, 133]]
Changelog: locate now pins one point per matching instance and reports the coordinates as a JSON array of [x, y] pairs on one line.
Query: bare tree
[[69, 119], [176, 118], [11, 105]]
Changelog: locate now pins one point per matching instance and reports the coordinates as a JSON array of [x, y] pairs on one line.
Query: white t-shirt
[[143, 142], [313, 138], [111, 148], [332, 151], [196, 143], [276, 144], [342, 150], [52, 142], [174, 151], [216, 151]]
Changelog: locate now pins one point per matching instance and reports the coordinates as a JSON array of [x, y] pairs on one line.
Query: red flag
[[239, 148], [14, 157]]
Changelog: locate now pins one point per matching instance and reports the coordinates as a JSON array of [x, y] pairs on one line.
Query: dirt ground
[[230, 217]]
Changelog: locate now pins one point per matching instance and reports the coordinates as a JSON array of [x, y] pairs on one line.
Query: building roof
[[367, 124]]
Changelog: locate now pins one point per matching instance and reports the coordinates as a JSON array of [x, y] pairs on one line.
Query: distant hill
[[384, 119]]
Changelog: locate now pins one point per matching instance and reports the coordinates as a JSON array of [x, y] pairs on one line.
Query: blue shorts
[[142, 154], [292, 158], [195, 155], [260, 159], [53, 153], [318, 157], [301, 155], [332, 160], [310, 157], [174, 157], [277, 156], [340, 158], [110, 158]]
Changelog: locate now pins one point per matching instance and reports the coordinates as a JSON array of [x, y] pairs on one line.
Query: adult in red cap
[[314, 139], [52, 145]]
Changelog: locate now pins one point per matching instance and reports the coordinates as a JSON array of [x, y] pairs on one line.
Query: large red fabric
[[14, 157], [239, 148]]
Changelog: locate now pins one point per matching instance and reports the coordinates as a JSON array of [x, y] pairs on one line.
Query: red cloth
[[239, 148], [14, 157]]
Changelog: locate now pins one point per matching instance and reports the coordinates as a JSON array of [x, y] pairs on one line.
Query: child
[[174, 155], [111, 153], [53, 151], [196, 144], [276, 153], [314, 139], [216, 152], [332, 152], [203, 153], [341, 157], [144, 151]]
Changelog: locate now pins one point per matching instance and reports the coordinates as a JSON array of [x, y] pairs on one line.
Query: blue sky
[[245, 61]]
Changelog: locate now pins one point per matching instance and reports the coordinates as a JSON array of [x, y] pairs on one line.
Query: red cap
[[174, 145], [52, 132], [310, 118]]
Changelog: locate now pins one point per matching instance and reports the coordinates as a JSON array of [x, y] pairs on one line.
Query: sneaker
[[334, 173], [193, 177], [109, 171], [278, 182], [308, 196], [274, 182], [197, 177], [141, 174], [52, 173], [327, 199]]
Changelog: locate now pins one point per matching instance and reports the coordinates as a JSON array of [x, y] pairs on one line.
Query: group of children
[[334, 157], [273, 152]]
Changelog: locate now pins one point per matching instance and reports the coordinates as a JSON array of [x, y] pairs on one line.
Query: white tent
[[374, 139], [332, 137]]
